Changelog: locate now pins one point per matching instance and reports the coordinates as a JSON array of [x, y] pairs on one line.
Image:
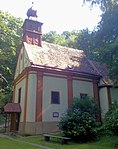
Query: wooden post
[[5, 122], [96, 97]]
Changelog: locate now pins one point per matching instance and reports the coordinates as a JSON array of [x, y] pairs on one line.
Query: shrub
[[85, 105], [111, 119], [79, 121]]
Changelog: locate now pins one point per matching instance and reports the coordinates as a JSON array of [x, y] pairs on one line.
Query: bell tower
[[32, 29]]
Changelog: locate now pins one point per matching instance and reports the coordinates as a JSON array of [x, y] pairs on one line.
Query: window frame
[[83, 95], [52, 102]]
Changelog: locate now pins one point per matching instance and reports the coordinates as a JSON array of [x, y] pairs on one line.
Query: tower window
[[39, 29]]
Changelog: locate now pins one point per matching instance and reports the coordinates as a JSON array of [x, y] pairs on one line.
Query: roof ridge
[[62, 46]]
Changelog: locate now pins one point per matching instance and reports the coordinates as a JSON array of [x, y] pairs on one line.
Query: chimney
[[32, 32]]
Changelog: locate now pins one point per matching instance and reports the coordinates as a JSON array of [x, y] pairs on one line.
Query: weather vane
[[31, 12]]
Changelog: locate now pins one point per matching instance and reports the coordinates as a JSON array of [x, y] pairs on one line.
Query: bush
[[85, 105], [79, 121], [111, 119]]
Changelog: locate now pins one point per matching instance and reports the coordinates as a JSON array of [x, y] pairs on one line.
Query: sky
[[57, 15]]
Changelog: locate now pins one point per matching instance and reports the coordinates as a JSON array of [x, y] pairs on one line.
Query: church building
[[46, 79]]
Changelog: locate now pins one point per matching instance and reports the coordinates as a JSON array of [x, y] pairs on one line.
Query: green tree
[[106, 41], [67, 38], [85, 41], [71, 38], [53, 37], [104, 5], [10, 39]]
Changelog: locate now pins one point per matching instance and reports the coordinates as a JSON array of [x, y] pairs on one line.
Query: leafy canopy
[[104, 5], [10, 39]]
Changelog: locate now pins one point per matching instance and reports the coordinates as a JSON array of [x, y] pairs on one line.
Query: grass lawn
[[9, 144], [106, 142]]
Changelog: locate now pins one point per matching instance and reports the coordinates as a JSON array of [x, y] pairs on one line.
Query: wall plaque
[[55, 114]]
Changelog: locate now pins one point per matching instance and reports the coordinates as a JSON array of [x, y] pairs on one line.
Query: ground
[[37, 142]]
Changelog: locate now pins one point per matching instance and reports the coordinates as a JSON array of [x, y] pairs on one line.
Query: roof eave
[[66, 71]]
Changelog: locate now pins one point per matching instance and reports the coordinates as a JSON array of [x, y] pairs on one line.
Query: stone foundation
[[33, 128]]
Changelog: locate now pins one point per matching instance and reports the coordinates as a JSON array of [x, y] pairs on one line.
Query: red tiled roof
[[100, 67], [12, 108], [60, 57], [103, 71]]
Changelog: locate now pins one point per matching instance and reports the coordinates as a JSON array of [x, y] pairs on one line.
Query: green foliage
[[107, 37], [53, 37], [111, 119], [6, 95], [67, 39], [71, 38], [79, 121], [10, 39], [85, 105], [85, 41], [104, 5]]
